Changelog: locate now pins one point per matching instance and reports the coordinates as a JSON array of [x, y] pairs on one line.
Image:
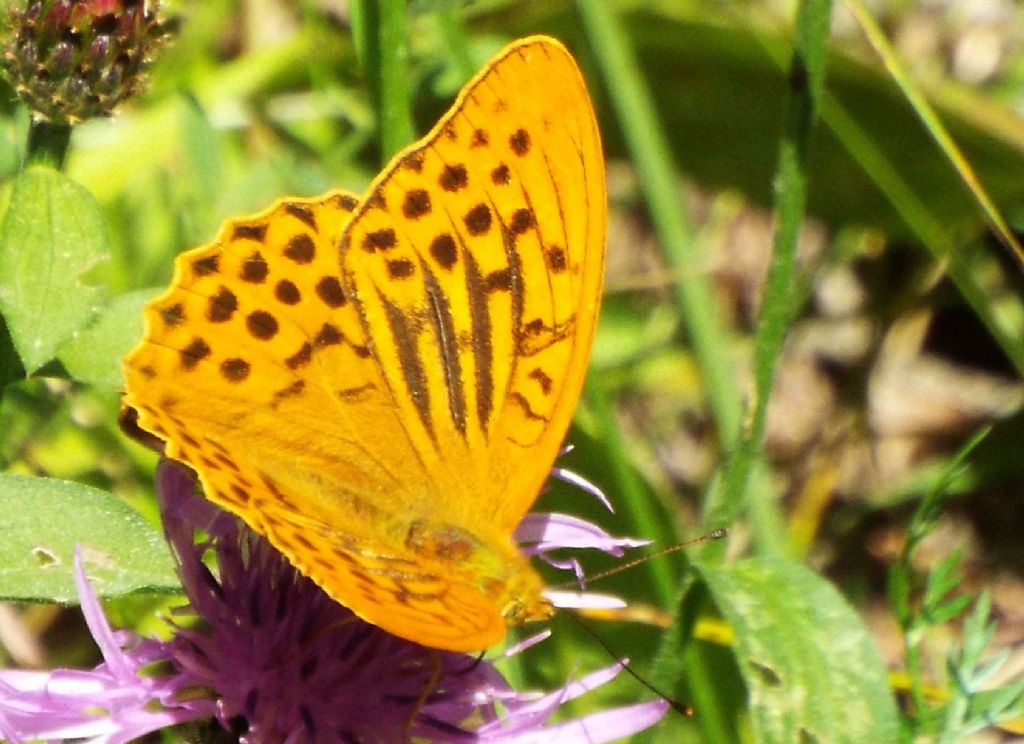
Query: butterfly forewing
[[230, 348], [476, 262]]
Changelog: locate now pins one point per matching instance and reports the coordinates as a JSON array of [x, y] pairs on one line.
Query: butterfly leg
[[428, 690]]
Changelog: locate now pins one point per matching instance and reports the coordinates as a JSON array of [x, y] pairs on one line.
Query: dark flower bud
[[76, 59]]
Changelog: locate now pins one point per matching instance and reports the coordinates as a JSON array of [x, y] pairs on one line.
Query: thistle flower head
[[76, 59]]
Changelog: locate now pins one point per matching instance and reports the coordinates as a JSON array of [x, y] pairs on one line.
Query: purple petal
[[605, 726], [575, 479], [573, 689], [539, 533], [8, 731], [97, 622], [526, 643], [526, 719], [584, 600]]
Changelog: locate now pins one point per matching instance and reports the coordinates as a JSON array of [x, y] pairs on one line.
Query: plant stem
[[47, 143]]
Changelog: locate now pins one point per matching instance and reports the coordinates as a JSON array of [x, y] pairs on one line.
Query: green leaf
[[94, 354], [811, 668], [44, 518], [51, 235], [11, 369]]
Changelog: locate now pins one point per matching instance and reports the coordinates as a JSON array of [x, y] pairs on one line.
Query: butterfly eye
[[514, 611]]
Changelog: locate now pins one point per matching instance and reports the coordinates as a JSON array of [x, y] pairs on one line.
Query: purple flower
[[266, 654]]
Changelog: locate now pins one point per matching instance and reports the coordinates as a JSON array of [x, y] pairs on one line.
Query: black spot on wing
[[221, 306], [300, 249], [302, 212], [249, 232], [254, 269]]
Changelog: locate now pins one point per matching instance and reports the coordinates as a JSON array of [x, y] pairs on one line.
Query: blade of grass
[[689, 666], [381, 32], [934, 125], [928, 230], [919, 218], [659, 181], [922, 222], [644, 516], [779, 304], [781, 295], [917, 215]]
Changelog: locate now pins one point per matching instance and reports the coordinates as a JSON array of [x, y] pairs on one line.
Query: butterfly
[[379, 385]]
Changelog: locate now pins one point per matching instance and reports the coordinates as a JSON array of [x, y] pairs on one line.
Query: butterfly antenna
[[679, 707], [716, 534]]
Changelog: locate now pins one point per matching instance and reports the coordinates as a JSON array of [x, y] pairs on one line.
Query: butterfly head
[[523, 599]]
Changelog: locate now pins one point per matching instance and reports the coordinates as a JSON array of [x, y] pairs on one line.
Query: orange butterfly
[[380, 385]]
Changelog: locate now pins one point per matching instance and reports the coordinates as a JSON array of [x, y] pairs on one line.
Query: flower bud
[[76, 59]]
